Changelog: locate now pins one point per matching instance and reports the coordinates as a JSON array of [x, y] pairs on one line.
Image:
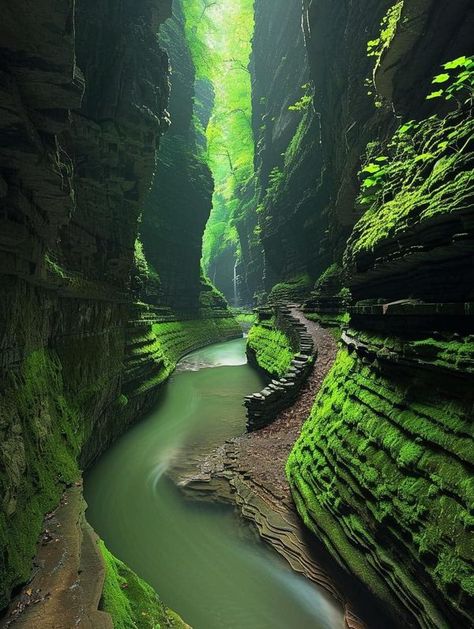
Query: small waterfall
[[236, 292]]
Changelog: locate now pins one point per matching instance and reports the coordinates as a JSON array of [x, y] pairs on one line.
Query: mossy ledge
[[270, 348], [130, 601], [382, 473]]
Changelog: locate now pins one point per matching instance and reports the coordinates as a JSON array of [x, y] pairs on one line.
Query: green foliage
[[305, 101], [220, 35], [276, 179], [424, 170], [131, 602], [244, 317], [272, 348], [457, 81], [140, 259], [376, 47]]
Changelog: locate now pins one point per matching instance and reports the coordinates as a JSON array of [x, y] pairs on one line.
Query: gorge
[[236, 270]]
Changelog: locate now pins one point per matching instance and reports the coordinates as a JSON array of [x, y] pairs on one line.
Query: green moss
[[394, 454], [245, 317], [330, 279], [41, 434], [177, 338], [453, 353], [45, 420], [273, 349], [293, 151], [424, 173], [376, 47], [330, 321], [131, 602], [294, 289]]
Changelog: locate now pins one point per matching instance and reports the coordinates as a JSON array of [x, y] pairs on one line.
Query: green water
[[201, 558]]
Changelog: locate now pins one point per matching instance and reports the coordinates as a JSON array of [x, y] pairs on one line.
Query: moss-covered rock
[[417, 196], [272, 349], [382, 473], [41, 432], [131, 602], [291, 290]]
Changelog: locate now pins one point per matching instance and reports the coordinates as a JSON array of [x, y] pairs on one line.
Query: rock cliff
[[180, 201], [83, 101], [383, 467]]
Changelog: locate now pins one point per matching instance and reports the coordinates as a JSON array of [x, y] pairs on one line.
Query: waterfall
[[236, 293]]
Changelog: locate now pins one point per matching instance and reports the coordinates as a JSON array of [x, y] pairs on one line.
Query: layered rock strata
[[383, 468], [82, 102]]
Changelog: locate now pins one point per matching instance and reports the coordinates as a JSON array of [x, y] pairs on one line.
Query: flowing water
[[204, 561]]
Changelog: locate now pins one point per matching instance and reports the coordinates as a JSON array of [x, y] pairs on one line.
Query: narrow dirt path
[[67, 584], [264, 453]]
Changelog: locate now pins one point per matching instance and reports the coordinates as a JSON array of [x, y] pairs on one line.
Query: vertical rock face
[[312, 121], [310, 141], [115, 134], [180, 201], [383, 469], [82, 99], [285, 166]]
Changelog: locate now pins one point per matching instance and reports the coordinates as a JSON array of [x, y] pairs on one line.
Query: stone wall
[[263, 407]]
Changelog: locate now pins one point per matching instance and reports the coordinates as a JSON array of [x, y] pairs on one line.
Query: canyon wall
[[83, 95], [312, 121], [382, 472], [178, 207], [286, 136]]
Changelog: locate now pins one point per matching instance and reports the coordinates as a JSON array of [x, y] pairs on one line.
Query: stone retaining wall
[[263, 407]]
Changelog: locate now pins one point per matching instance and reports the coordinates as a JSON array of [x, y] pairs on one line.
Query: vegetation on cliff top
[[424, 171]]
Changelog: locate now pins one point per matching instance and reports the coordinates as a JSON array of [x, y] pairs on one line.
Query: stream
[[205, 561]]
